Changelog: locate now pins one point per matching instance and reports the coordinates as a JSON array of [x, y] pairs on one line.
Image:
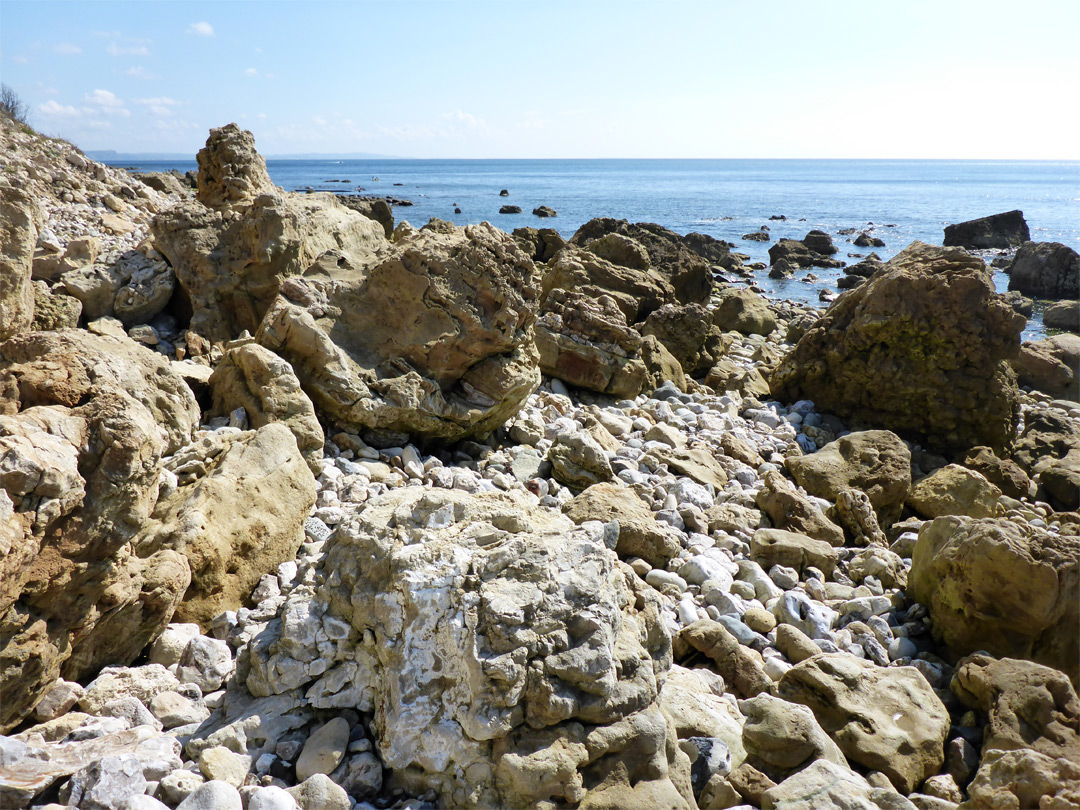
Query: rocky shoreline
[[306, 508]]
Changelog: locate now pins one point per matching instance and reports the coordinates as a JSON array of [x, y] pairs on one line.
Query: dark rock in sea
[[711, 249], [780, 217], [849, 282], [757, 236], [1046, 270], [510, 209], [997, 231], [545, 211], [866, 240], [457, 210], [399, 184], [867, 267], [819, 242], [504, 193], [847, 231]]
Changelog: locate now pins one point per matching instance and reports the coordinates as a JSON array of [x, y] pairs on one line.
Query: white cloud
[[127, 50], [20, 60], [201, 29], [139, 72], [160, 106], [53, 109], [107, 102], [67, 48], [251, 72], [261, 116]]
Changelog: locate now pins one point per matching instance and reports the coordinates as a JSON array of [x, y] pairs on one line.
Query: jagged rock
[[920, 349], [1051, 365], [1011, 589], [791, 510], [640, 535], [252, 377], [741, 310], [686, 332], [102, 412], [515, 636], [541, 244], [1023, 778], [995, 231], [876, 462], [819, 242], [20, 219], [231, 171], [578, 461], [864, 239], [954, 490], [728, 375], [669, 255], [1005, 474], [435, 340], [885, 719], [741, 667], [1027, 705], [376, 210], [696, 702], [1045, 270], [54, 311], [1049, 449], [855, 513], [545, 211]]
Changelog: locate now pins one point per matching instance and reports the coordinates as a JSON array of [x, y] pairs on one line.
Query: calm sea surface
[[905, 200]]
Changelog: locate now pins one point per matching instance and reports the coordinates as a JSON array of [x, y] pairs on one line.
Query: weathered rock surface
[[231, 171], [1010, 589], [541, 244], [887, 720], [954, 490], [785, 735], [1049, 449], [1024, 778], [487, 683], [877, 462], [1063, 315], [1051, 365], [252, 377], [995, 231], [434, 340], [640, 535], [791, 510], [686, 332], [919, 349], [771, 547], [741, 310], [1045, 270], [825, 785], [20, 220]]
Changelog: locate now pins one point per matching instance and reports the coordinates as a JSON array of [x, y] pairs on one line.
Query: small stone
[[660, 579], [220, 764], [316, 530], [60, 698], [179, 784], [318, 792], [206, 662], [902, 648], [784, 577], [759, 620], [943, 786], [213, 796], [324, 749], [961, 760], [271, 798], [795, 644]]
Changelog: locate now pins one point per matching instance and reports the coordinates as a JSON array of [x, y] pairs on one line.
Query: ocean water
[[897, 201]]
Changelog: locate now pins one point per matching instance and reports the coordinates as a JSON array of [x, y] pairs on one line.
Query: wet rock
[[544, 211]]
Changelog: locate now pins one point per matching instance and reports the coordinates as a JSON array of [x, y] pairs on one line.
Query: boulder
[[1027, 705], [545, 211], [578, 461], [1045, 270], [785, 735], [435, 340], [1063, 315], [696, 703], [87, 420], [541, 244], [741, 667], [20, 219], [669, 255], [1009, 588], [231, 258], [791, 510], [1005, 230], [920, 349], [819, 242], [864, 239], [374, 209], [954, 490], [770, 547], [510, 209], [54, 311], [252, 377], [885, 719], [1024, 778], [640, 535], [1005, 474], [742, 310], [1051, 365], [686, 332], [876, 462], [728, 375], [506, 657]]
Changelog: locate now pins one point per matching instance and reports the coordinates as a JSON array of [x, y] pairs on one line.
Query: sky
[[585, 79]]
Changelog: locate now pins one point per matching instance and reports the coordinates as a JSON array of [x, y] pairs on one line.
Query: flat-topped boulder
[[995, 231]]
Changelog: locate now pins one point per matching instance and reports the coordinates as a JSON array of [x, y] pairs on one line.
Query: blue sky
[[522, 79]]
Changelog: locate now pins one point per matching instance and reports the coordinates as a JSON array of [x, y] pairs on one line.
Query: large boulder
[[435, 340], [739, 309], [1051, 365], [499, 650], [885, 719], [920, 349], [20, 219], [825, 785], [232, 250], [87, 420], [995, 231], [686, 332], [1045, 270], [877, 462], [669, 254], [1024, 778], [1008, 588]]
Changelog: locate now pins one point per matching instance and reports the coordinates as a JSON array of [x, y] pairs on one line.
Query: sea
[[897, 201]]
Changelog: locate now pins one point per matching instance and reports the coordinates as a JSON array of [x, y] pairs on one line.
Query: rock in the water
[[434, 340], [1011, 589], [545, 211], [885, 719], [1045, 270], [1061, 315], [996, 231], [876, 462], [920, 349]]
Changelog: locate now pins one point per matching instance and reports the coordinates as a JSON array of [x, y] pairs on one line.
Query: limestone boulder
[[824, 785], [995, 231], [686, 332], [1063, 315], [252, 377], [1024, 778], [1004, 473], [435, 340], [578, 460], [541, 244], [54, 311], [739, 309], [1045, 270], [672, 256], [877, 462], [770, 547], [697, 703], [954, 490], [920, 349], [785, 735], [20, 219], [729, 375], [885, 719], [507, 658], [1051, 365], [640, 535], [741, 667], [1008, 588], [231, 171], [87, 421], [791, 510], [1027, 705]]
